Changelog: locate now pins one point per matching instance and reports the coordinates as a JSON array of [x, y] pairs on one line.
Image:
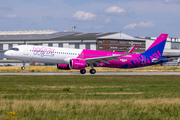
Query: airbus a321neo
[[67, 59]]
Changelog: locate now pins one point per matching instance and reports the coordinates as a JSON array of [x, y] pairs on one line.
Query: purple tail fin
[[158, 45]]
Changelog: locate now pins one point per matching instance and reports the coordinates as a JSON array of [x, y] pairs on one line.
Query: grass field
[[89, 97], [14, 69]]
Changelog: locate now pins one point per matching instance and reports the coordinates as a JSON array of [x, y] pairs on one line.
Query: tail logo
[[142, 61]]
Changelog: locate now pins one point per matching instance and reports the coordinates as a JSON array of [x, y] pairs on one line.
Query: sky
[[147, 18]]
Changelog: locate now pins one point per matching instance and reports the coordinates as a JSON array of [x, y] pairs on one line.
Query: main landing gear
[[92, 71], [83, 71], [23, 68]]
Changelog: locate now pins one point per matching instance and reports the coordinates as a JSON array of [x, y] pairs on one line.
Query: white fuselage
[[43, 54]]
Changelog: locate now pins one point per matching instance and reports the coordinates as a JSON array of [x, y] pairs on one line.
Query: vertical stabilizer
[[158, 45]]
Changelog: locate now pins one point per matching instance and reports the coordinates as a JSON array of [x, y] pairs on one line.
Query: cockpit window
[[16, 49]]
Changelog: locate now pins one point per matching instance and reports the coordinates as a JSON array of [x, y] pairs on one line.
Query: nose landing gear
[[23, 68]]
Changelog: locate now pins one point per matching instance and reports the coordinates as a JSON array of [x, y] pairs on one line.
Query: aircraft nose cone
[[6, 54]]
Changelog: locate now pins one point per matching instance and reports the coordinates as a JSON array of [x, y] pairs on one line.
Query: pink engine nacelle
[[77, 64], [63, 67]]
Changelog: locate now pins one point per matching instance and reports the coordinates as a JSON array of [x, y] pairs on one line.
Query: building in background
[[120, 42], [115, 41]]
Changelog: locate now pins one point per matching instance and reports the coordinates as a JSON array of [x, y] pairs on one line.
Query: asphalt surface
[[98, 73]]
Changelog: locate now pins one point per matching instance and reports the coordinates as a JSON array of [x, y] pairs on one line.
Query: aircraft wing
[[105, 59]]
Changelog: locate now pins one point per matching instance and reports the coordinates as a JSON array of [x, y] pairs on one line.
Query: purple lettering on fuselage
[[42, 51], [142, 61]]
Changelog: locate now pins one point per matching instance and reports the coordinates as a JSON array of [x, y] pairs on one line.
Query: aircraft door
[[26, 52]]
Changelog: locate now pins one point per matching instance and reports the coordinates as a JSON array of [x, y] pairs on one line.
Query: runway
[[99, 73]]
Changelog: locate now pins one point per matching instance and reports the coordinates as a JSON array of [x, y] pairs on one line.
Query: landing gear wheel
[[92, 71], [22, 67], [83, 71]]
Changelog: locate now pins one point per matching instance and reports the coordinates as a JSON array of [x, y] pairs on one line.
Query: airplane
[[79, 59]]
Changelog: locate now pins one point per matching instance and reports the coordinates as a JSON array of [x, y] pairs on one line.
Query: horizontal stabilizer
[[158, 60]]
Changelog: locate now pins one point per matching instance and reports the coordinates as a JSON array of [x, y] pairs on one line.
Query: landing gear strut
[[83, 71], [23, 68], [92, 71]]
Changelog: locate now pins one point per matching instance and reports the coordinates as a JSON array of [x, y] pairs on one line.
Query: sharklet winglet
[[132, 49]]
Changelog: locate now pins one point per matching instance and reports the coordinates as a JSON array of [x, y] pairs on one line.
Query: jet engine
[[77, 64], [63, 67]]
